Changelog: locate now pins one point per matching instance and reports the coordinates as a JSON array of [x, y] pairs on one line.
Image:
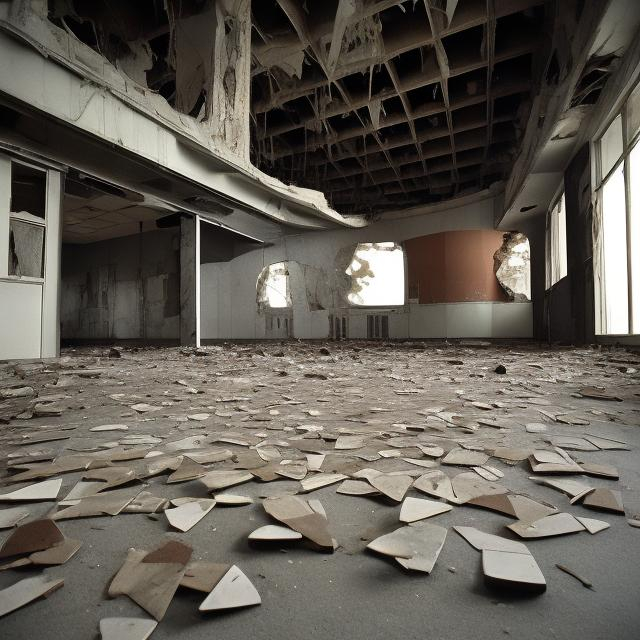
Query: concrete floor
[[351, 593]]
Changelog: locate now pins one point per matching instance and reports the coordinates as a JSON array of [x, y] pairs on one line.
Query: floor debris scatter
[[202, 487]]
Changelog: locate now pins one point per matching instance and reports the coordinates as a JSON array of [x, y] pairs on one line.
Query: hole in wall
[[377, 275], [512, 266], [272, 287]]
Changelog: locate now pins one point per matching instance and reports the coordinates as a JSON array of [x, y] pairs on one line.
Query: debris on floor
[[431, 446]]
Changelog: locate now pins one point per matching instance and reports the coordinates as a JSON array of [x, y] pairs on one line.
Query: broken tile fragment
[[110, 427], [26, 591], [203, 576], [233, 591], [556, 524], [464, 457], [415, 547], [40, 491], [593, 526], [356, 488], [299, 516], [37, 535], [110, 503], [414, 509], [10, 517], [151, 579], [222, 479], [393, 487], [604, 500], [274, 532], [230, 500], [188, 470], [512, 571], [187, 515]]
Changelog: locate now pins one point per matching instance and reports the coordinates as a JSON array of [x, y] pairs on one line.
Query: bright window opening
[[273, 286], [557, 243], [377, 275]]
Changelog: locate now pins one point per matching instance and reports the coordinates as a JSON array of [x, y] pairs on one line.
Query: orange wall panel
[[454, 266]]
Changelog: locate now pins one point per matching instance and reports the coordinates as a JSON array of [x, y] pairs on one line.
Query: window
[[377, 275], [273, 286], [556, 243], [27, 221], [617, 246]]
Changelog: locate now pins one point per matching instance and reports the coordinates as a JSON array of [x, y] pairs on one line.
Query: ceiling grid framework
[[387, 104]]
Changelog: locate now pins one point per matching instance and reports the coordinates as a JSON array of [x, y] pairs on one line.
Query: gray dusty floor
[[350, 593]]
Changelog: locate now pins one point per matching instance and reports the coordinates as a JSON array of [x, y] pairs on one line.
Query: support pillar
[[190, 281]]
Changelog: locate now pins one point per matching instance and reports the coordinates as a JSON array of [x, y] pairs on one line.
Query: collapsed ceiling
[[380, 104]]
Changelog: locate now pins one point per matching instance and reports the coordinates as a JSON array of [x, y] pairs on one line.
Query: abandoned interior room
[[319, 319]]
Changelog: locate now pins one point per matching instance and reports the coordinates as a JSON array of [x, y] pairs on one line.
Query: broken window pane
[[273, 286], [28, 190], [614, 231], [26, 249], [377, 275]]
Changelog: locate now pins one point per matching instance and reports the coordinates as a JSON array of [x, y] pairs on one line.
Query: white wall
[[228, 295]]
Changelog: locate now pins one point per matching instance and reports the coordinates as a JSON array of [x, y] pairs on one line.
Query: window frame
[[629, 141], [549, 262], [28, 219]]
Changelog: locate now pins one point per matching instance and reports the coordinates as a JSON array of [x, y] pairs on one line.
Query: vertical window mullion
[[627, 204]]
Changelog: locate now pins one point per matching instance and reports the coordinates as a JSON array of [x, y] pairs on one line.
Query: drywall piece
[[222, 479], [299, 516], [394, 487], [570, 487], [10, 517], [598, 394], [481, 541], [151, 579], [41, 491], [557, 524], [233, 591], [103, 504], [82, 489], [437, 484], [514, 505], [292, 471], [26, 591], [126, 628], [575, 444], [606, 444], [511, 454], [511, 570], [203, 576], [188, 515], [428, 550], [486, 475], [600, 470], [415, 546], [535, 427], [146, 502], [110, 427], [432, 451], [320, 480], [350, 442], [468, 485], [230, 500], [604, 500], [273, 533], [356, 488], [33, 536], [593, 526], [466, 458], [414, 509], [314, 460], [188, 470]]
